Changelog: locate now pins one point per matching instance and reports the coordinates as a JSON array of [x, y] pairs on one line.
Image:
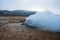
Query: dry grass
[[12, 32], [13, 19], [16, 31]]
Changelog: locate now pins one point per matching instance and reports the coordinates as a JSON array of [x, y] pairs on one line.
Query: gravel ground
[[16, 31]]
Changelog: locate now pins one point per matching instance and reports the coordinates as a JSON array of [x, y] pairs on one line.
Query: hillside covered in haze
[[16, 13]]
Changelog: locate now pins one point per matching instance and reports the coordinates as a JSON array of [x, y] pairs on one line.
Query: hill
[[16, 13]]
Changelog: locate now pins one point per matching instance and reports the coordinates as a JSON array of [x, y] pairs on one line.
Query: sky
[[34, 5]]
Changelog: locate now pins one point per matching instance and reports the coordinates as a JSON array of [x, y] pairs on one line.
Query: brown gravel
[[16, 31]]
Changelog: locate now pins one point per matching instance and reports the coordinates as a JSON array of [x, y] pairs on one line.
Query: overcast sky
[[35, 5]]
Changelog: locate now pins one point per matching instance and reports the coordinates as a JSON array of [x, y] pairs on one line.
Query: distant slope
[[16, 13]]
